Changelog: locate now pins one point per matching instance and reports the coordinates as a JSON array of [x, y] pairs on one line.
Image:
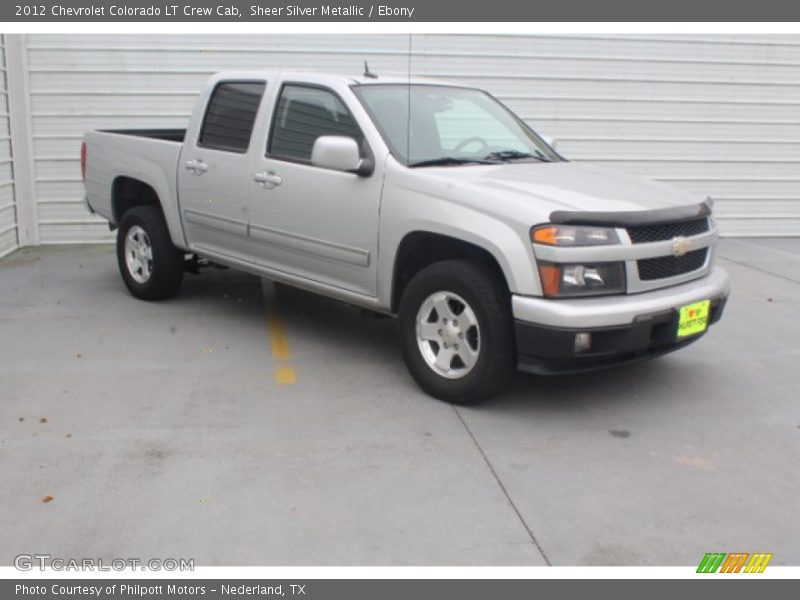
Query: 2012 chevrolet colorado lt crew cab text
[[432, 202]]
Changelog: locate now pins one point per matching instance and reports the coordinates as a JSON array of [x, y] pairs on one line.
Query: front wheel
[[457, 331], [151, 267]]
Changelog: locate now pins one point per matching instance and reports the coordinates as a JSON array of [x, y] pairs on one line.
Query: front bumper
[[624, 329]]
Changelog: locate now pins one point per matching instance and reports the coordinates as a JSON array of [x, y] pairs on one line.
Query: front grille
[[643, 234], [671, 266]]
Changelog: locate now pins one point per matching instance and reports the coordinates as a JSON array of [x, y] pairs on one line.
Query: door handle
[[268, 179], [196, 167]]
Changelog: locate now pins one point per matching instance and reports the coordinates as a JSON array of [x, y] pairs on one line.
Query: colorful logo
[[735, 562]]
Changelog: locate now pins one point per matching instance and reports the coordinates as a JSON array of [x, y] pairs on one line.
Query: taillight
[[83, 161]]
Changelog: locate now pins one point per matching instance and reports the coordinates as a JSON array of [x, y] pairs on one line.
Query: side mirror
[[340, 153], [549, 140]]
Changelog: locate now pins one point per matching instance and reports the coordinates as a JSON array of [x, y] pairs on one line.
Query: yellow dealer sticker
[[693, 318]]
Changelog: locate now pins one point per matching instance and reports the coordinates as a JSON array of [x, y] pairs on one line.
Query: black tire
[[486, 294], [166, 266]]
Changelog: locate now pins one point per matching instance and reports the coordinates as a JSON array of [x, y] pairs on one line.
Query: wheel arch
[[419, 249], [128, 191]]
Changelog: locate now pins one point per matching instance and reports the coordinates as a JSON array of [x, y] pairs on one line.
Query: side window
[[230, 115], [303, 114]]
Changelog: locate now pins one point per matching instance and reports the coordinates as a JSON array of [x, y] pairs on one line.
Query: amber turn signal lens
[[545, 235], [551, 278]]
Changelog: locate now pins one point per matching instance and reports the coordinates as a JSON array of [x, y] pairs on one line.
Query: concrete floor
[[159, 430]]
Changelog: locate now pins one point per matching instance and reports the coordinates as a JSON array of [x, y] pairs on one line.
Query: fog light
[[583, 341]]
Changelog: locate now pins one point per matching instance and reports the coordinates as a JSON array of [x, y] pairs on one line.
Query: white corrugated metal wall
[[719, 115], [8, 209]]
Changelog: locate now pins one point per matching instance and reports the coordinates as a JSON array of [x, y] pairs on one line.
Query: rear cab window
[[230, 116]]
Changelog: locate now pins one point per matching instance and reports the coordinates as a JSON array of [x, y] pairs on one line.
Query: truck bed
[[149, 155]]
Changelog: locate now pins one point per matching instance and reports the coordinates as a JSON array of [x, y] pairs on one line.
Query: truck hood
[[531, 191]]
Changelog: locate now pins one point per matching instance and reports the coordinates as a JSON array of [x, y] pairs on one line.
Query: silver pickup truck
[[426, 201]]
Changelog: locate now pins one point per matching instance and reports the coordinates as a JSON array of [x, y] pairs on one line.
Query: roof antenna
[[367, 73]]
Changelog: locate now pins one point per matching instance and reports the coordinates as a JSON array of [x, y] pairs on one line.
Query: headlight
[[598, 279], [573, 235]]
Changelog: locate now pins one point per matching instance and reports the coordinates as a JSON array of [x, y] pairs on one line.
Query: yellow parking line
[[278, 340], [285, 375]]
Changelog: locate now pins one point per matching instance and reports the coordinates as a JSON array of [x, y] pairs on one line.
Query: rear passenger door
[[214, 170], [313, 222]]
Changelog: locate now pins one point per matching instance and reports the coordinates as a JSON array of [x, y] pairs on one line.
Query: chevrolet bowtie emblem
[[680, 246]]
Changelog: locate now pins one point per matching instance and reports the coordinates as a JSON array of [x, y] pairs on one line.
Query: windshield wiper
[[452, 160], [514, 155]]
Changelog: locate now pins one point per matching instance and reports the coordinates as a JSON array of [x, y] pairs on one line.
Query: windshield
[[427, 125]]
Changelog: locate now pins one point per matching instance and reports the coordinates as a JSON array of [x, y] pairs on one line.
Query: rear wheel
[[151, 267], [457, 331]]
